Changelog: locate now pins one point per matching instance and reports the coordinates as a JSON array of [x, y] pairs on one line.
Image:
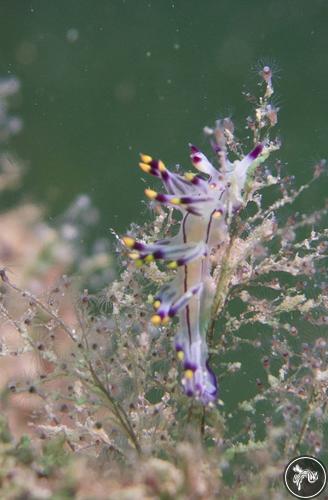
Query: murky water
[[103, 81]]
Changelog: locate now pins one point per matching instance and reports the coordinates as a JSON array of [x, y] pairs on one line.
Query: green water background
[[104, 80]]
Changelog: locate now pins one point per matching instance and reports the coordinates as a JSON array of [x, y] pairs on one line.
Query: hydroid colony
[[208, 201]]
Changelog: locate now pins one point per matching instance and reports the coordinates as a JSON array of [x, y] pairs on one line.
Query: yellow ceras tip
[[180, 355], [189, 176], [165, 320], [134, 255], [128, 241], [189, 374], [172, 265], [156, 320], [145, 167], [149, 258], [175, 201], [156, 304], [217, 214], [145, 158], [139, 262], [150, 193], [161, 166]]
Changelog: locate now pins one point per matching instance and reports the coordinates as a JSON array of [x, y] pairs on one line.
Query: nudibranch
[[207, 200]]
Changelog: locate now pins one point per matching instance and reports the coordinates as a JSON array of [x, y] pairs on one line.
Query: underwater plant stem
[[202, 422], [221, 292], [117, 409], [37, 302], [306, 420]]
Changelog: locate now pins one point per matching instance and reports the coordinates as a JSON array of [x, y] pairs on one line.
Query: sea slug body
[[207, 201]]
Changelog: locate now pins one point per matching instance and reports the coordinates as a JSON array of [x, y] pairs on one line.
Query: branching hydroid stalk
[[115, 406]]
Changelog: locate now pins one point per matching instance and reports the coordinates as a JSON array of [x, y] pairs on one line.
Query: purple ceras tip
[[193, 148], [190, 366], [139, 246], [256, 151], [158, 254], [196, 158]]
